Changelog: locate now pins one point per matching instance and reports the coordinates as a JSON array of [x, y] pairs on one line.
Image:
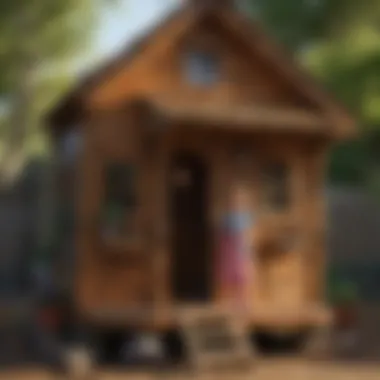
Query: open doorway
[[191, 254]]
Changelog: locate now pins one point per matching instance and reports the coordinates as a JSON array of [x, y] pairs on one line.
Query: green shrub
[[342, 291]]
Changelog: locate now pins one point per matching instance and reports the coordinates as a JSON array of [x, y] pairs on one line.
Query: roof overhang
[[243, 118], [342, 124]]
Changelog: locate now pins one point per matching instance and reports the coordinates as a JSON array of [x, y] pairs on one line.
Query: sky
[[131, 18]]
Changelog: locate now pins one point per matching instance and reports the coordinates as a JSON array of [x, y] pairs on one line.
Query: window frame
[[201, 67], [281, 200], [129, 225]]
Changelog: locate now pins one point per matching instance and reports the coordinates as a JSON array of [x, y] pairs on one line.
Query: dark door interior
[[191, 262]]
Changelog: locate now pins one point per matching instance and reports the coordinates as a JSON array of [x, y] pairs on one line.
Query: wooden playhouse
[[202, 105]]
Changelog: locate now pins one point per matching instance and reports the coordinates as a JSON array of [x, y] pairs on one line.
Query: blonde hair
[[239, 197]]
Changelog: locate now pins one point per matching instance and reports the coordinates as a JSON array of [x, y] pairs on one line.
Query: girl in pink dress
[[235, 250]]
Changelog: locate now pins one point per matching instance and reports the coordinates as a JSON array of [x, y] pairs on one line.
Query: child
[[235, 249]]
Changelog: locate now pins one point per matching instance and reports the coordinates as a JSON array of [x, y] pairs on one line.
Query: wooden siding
[[279, 277], [284, 275]]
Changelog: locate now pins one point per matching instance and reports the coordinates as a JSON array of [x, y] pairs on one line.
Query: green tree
[[339, 41], [39, 39]]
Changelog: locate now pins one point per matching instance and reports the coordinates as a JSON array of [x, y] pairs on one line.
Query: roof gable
[[242, 78], [71, 105], [285, 65], [245, 32]]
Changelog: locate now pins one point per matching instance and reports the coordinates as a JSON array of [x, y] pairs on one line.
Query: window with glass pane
[[275, 187], [201, 68], [120, 204]]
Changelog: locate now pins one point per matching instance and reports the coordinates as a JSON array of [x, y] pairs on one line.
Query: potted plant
[[344, 302]]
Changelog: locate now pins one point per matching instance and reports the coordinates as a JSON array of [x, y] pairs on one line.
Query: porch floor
[[167, 318]]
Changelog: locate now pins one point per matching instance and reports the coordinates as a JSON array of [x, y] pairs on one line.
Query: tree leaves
[[339, 41], [38, 37]]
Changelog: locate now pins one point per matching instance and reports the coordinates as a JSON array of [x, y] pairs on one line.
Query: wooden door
[[191, 258]]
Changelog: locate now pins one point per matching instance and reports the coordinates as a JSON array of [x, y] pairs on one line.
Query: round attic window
[[201, 67]]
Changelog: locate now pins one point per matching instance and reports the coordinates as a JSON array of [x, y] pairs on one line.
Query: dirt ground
[[364, 366], [292, 369]]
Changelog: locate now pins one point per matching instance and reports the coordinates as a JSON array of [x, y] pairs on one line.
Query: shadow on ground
[[21, 345]]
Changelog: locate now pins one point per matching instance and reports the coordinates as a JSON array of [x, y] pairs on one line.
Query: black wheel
[[174, 346], [270, 343], [110, 345]]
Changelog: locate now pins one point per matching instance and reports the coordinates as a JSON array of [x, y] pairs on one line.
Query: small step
[[215, 339]]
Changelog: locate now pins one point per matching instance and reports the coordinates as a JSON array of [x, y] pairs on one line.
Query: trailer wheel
[[174, 346], [269, 342]]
